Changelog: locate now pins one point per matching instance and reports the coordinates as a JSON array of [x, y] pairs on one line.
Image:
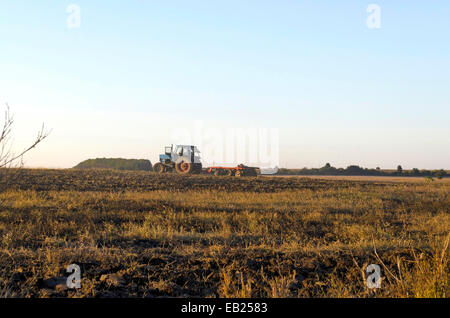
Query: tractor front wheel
[[159, 168]]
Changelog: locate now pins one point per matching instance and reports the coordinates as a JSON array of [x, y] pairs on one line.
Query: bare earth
[[140, 234]]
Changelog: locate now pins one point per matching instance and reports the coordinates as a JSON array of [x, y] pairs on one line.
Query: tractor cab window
[[187, 150], [180, 151], [168, 150]]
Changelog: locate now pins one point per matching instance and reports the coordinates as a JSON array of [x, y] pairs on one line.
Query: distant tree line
[[354, 170], [116, 163]]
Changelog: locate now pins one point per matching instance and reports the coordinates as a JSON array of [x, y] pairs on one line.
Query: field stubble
[[137, 234]]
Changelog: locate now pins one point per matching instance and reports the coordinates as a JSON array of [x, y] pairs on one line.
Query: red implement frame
[[240, 170], [211, 169]]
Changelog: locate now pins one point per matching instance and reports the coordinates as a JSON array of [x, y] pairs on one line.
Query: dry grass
[[222, 236]]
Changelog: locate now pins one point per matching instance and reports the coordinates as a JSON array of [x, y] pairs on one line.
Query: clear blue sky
[[338, 91]]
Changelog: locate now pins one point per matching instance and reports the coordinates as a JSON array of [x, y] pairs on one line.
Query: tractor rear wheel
[[159, 168], [184, 167]]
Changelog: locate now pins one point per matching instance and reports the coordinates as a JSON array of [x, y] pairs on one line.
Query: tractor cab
[[186, 153], [181, 158]]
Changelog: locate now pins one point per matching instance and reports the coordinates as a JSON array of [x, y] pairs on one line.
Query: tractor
[[183, 159]]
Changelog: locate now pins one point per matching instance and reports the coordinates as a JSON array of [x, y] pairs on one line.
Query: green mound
[[116, 164]]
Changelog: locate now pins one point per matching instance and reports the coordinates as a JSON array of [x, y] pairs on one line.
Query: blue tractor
[[184, 159]]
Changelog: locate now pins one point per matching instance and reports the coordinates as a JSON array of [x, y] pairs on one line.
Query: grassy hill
[[116, 164]]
